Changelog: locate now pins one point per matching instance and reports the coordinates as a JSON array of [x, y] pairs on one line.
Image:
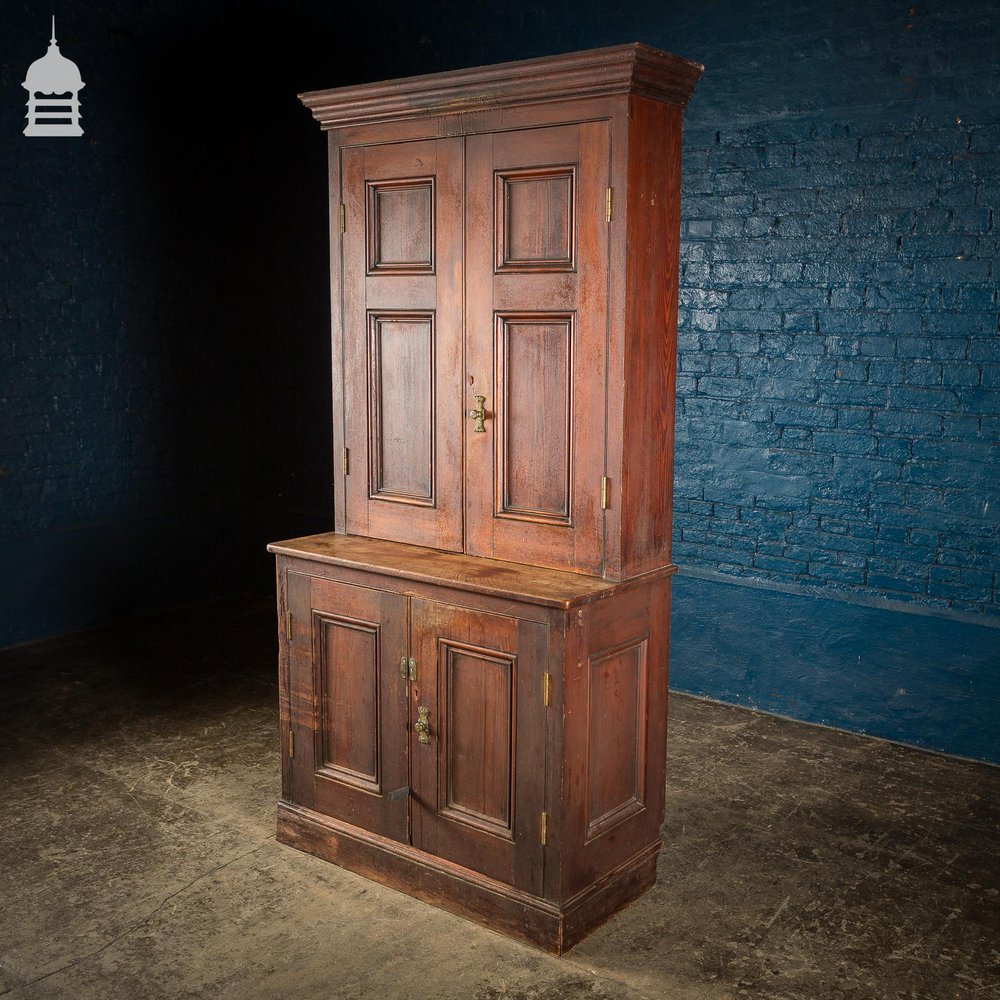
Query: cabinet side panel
[[614, 736], [651, 334], [616, 745]]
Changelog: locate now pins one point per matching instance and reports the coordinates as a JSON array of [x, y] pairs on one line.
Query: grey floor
[[138, 777]]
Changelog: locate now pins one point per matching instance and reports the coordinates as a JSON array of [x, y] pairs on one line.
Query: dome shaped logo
[[53, 84]]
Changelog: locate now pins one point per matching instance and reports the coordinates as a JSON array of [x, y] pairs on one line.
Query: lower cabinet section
[[484, 736]]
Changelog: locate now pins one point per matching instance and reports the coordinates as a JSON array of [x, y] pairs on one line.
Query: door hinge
[[347, 461], [343, 218], [288, 625], [545, 828], [291, 744], [607, 206], [605, 491], [546, 689]]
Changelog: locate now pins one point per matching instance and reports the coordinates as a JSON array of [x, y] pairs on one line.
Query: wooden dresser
[[474, 663]]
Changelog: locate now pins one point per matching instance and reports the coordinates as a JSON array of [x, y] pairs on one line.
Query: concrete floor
[[139, 773]]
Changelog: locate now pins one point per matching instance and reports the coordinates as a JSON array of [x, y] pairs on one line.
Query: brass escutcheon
[[479, 415], [422, 726]]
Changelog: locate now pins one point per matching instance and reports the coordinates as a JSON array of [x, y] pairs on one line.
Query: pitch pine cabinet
[[474, 663]]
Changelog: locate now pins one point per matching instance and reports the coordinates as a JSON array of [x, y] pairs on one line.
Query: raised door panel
[[402, 341], [616, 726], [345, 647], [476, 758], [537, 269], [534, 417], [478, 778], [401, 402]]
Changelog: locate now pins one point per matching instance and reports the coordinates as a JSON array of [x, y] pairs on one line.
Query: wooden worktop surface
[[535, 584]]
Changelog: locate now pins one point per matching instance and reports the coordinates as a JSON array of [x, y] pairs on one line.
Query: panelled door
[[345, 686], [478, 757], [431, 732], [513, 224], [402, 341], [536, 343]]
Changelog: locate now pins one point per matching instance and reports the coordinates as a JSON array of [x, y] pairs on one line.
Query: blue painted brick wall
[[838, 416], [839, 374]]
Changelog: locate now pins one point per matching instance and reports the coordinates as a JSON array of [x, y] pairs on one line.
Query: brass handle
[[422, 726], [479, 415]]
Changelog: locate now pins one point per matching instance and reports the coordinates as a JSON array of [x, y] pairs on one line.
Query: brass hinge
[[545, 827], [412, 669], [288, 625], [546, 689], [343, 217], [608, 206], [347, 461], [605, 490], [291, 744]]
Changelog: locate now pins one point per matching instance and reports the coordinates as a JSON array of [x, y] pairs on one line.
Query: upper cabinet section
[[504, 297]]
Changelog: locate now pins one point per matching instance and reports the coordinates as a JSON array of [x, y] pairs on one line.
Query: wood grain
[[466, 893], [634, 68], [402, 344], [653, 207], [349, 712], [536, 340], [517, 581]]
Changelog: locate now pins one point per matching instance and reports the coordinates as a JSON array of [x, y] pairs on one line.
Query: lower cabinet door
[[477, 722], [344, 678]]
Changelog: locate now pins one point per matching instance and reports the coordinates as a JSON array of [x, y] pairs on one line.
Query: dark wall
[[164, 331], [163, 310]]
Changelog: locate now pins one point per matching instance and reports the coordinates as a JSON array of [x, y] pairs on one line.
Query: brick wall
[[839, 376]]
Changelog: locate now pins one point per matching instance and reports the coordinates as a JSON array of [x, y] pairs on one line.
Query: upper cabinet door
[[536, 344], [402, 341]]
